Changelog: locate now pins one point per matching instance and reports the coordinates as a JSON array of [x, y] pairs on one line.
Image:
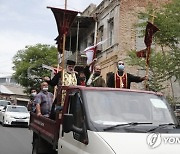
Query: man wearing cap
[[69, 74], [121, 79]]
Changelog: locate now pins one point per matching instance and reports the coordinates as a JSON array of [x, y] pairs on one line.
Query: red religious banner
[[141, 53], [64, 19], [150, 31]]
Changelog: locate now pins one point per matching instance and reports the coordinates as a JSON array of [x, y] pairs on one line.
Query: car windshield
[[116, 107], [4, 103], [17, 109]]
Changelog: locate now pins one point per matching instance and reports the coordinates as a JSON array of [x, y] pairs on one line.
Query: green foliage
[[168, 21], [28, 64]]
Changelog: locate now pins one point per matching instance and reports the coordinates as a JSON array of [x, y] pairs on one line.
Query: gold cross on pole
[[153, 16]]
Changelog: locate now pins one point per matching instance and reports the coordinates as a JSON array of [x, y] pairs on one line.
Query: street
[[15, 140]]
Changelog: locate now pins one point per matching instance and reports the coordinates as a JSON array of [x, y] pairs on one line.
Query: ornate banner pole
[[63, 49], [150, 30]]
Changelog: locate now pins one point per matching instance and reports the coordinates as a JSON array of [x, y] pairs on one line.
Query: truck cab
[[111, 121]]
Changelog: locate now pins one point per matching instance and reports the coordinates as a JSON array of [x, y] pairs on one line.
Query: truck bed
[[46, 128]]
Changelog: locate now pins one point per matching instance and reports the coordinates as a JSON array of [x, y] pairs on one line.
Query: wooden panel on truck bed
[[45, 127]]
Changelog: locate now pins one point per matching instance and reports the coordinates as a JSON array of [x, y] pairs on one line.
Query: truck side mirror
[[68, 124]]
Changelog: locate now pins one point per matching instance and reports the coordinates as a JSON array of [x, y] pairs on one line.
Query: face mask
[[34, 93], [97, 73], [121, 67], [82, 78], [45, 89]]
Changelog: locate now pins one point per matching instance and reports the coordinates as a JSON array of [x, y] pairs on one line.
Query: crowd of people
[[43, 103]]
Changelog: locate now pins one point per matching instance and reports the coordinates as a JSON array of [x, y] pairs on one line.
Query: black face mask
[[82, 78], [97, 73]]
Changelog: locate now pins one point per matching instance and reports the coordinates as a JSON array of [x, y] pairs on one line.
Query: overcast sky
[[28, 22]]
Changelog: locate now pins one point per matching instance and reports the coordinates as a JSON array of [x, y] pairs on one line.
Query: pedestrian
[[121, 79], [44, 100], [31, 104]]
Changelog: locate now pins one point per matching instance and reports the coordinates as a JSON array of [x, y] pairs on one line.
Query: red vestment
[[121, 81]]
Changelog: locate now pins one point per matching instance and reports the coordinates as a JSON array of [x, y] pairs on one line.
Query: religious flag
[[141, 53], [91, 51], [150, 31], [64, 19]]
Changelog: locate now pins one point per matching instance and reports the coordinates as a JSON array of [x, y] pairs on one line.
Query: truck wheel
[[35, 147], [40, 146]]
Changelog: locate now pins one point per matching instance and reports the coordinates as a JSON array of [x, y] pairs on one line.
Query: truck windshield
[[116, 107]]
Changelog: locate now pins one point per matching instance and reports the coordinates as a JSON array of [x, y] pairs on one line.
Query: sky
[[29, 22]]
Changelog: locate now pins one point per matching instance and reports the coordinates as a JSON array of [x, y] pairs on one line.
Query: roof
[[12, 89], [16, 89], [5, 90]]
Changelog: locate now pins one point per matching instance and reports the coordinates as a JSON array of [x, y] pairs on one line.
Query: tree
[[28, 64]]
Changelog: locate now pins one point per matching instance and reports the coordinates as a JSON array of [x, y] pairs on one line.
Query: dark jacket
[[130, 78]]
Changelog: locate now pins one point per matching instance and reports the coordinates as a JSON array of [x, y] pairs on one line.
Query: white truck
[[108, 121]]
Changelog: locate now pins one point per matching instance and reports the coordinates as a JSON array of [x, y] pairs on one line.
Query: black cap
[[70, 62]]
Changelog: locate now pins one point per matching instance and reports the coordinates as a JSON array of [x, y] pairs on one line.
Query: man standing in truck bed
[[121, 79], [69, 76], [43, 101]]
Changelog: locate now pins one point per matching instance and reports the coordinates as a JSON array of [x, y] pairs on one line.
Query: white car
[[3, 103], [14, 115]]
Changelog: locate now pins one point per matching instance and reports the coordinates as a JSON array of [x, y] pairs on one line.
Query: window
[[77, 111], [110, 31], [140, 36], [101, 33]]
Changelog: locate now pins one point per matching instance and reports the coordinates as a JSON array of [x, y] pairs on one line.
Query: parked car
[[14, 115], [3, 103]]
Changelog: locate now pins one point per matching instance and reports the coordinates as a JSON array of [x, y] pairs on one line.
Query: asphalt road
[[15, 140]]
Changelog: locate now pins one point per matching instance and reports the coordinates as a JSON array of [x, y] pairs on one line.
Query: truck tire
[[40, 146]]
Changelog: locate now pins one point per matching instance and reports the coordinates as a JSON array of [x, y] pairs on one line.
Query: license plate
[[20, 120]]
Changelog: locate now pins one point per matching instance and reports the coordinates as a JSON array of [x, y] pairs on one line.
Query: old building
[[10, 90]]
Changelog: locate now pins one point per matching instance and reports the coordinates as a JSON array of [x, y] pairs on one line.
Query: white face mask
[[34, 93], [45, 89]]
